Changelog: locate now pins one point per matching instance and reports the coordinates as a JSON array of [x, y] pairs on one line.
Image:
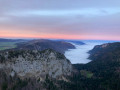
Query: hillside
[[42, 44], [26, 67], [106, 51], [103, 73]]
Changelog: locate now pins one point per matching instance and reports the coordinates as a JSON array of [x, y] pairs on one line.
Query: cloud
[[87, 12], [61, 17]]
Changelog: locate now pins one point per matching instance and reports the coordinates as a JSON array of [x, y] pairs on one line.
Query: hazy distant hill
[[42, 44], [11, 40], [10, 43], [73, 41]]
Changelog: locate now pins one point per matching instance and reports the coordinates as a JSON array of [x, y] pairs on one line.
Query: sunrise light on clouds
[[60, 20]]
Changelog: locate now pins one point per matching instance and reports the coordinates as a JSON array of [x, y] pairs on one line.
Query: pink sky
[[9, 34], [60, 20]]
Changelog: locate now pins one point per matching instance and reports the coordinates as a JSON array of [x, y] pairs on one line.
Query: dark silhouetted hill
[[42, 44]]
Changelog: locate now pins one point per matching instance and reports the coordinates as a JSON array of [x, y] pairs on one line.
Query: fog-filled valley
[[80, 53]]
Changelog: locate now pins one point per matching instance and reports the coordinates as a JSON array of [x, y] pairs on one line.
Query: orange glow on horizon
[[57, 36], [18, 34]]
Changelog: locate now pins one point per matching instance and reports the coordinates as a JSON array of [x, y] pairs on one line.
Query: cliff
[[35, 64]]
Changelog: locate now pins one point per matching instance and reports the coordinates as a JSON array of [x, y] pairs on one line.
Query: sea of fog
[[80, 54]]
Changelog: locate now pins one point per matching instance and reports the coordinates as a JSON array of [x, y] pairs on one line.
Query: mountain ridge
[[42, 44]]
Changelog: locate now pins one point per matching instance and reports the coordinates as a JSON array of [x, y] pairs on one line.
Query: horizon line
[[59, 39]]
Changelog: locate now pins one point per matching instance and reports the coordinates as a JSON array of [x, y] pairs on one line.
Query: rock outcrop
[[36, 64]]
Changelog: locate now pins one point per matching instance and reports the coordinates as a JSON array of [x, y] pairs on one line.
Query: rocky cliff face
[[37, 64]]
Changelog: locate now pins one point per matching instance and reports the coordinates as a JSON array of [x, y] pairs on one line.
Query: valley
[[59, 44], [80, 54], [38, 64]]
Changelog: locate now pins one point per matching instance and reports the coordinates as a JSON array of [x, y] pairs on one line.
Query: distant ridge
[[42, 44], [11, 40], [73, 41]]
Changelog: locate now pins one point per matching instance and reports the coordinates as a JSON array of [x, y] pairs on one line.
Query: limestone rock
[[36, 64]]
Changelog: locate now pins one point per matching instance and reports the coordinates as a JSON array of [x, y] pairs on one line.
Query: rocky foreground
[[29, 66], [35, 63]]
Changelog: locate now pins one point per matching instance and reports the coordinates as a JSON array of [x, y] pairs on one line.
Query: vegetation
[[103, 73], [4, 86], [49, 84], [7, 45], [87, 74]]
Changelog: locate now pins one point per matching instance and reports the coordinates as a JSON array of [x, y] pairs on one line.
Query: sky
[[60, 19]]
